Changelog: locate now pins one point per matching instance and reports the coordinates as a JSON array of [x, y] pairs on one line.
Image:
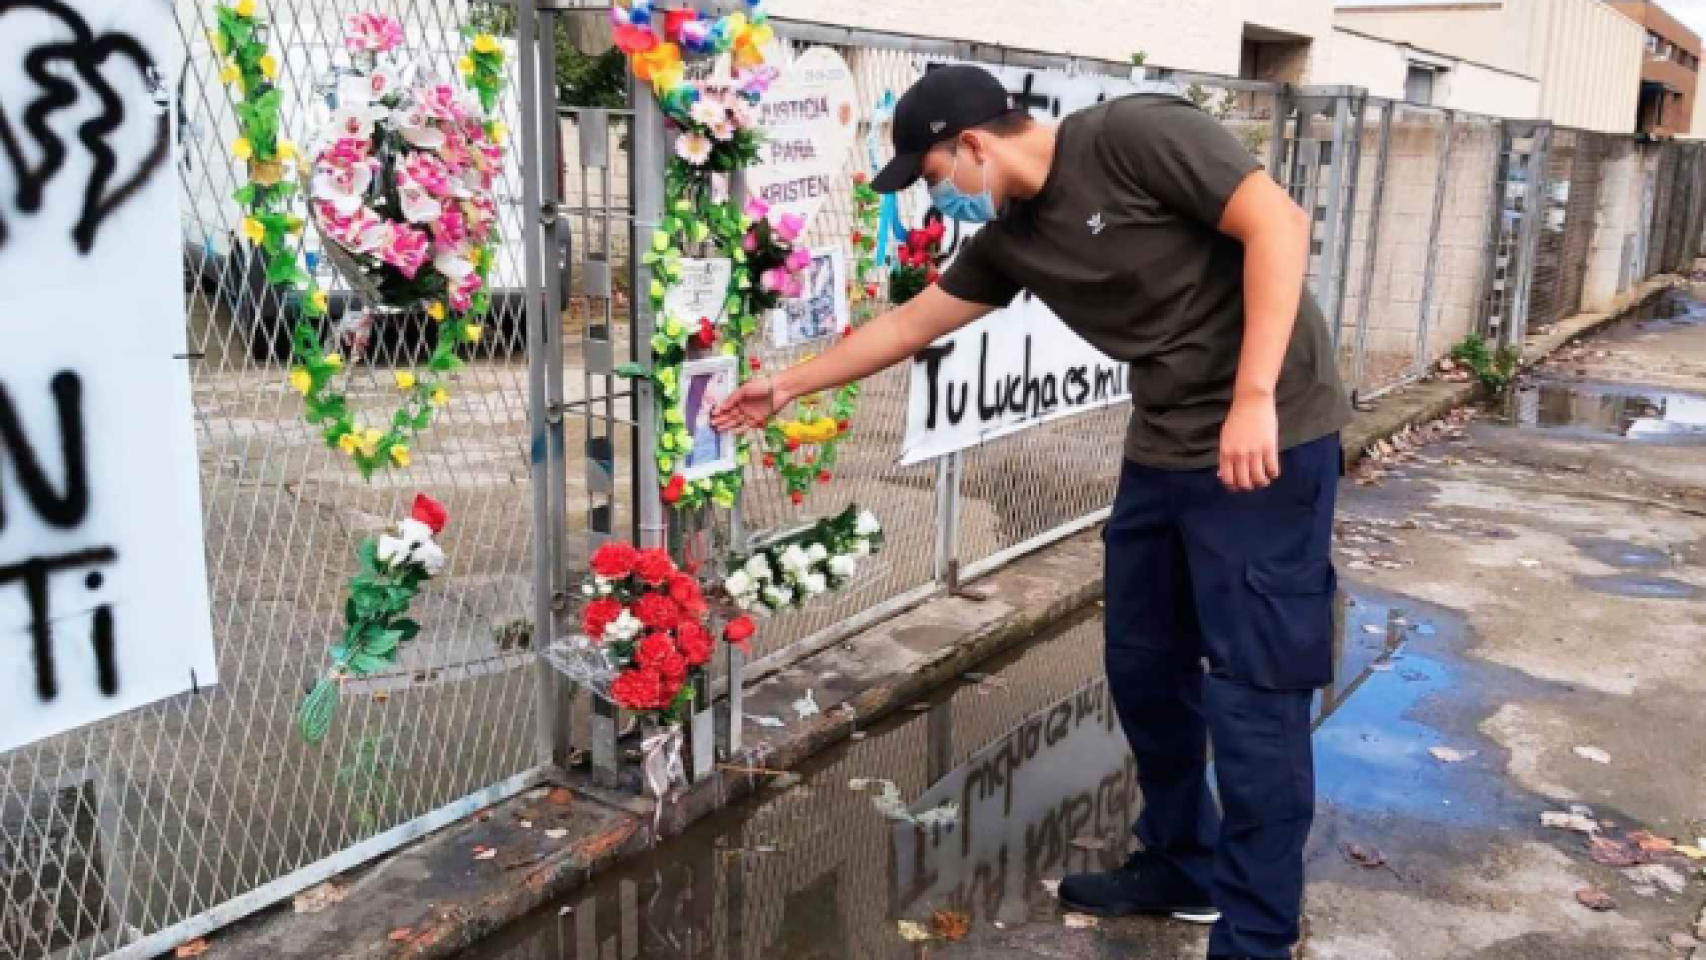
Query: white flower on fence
[[811, 562]]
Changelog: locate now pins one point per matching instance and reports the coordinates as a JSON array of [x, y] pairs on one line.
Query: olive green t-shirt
[[1122, 243]]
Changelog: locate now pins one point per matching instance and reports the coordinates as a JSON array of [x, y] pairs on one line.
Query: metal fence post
[[948, 470], [1348, 111], [538, 174], [1430, 271], [1372, 244], [1533, 212]]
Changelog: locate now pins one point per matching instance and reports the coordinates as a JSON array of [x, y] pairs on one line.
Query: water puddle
[[1673, 310], [1640, 587], [1032, 756], [1599, 409], [1623, 555]]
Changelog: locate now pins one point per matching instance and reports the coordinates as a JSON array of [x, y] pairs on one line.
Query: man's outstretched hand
[[748, 408]]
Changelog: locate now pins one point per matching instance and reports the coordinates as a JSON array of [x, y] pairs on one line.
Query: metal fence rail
[[133, 835]]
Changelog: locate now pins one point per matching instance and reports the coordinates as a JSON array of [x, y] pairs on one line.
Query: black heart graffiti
[[89, 54]]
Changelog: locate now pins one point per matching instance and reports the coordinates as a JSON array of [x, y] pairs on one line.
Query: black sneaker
[[1144, 887]]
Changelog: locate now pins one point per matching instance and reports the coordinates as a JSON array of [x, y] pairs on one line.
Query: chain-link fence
[[135, 834]]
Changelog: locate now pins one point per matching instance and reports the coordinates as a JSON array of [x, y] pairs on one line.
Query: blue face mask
[[964, 207]]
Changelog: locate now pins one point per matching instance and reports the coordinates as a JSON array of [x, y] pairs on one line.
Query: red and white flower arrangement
[[644, 632], [401, 182]]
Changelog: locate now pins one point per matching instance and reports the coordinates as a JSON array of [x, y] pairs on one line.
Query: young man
[[1154, 235]]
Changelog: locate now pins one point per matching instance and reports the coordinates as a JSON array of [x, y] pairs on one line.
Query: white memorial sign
[[1020, 366], [809, 121], [103, 587], [702, 291]]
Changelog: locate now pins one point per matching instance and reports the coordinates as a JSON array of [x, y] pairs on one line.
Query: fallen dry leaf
[[1595, 899], [1692, 852], [194, 948], [1593, 754], [1611, 853], [1651, 843], [1658, 875], [913, 932], [950, 925], [1366, 857], [318, 898], [400, 934], [1080, 921], [556, 833], [1448, 755], [561, 796], [1579, 822]]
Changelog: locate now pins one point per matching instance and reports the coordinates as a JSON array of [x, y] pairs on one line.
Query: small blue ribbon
[[889, 229]]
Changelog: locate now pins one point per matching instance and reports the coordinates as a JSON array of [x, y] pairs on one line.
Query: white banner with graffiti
[[103, 587]]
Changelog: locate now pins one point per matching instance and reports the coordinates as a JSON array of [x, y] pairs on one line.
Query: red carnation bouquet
[[644, 631]]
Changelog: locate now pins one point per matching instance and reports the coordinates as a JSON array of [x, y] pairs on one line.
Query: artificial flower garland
[[821, 424], [376, 613], [791, 569], [268, 223], [717, 134]]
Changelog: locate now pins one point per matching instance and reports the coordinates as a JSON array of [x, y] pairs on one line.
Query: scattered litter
[[556, 834], [1578, 822], [1662, 876], [1682, 941], [1369, 858], [786, 781], [1090, 843], [319, 898], [1691, 852], [1611, 853], [1651, 843], [400, 934], [1053, 887], [1373, 629], [194, 948], [914, 932], [763, 721], [856, 735], [1080, 921], [1645, 891], [1594, 754], [1529, 562], [565, 911], [807, 706], [527, 824], [1448, 755], [1595, 899], [889, 804], [539, 794], [949, 925], [485, 853]]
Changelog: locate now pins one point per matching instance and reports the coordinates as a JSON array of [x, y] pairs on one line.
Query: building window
[[1652, 43], [1419, 85]]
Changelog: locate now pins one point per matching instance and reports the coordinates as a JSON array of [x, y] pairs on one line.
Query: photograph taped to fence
[[103, 586], [704, 384], [822, 312]]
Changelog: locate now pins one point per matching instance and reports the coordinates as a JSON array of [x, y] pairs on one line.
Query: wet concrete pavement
[[1515, 592]]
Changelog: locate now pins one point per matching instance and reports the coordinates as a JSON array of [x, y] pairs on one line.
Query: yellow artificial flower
[[301, 380], [335, 361], [242, 149], [218, 40], [269, 66], [673, 329], [286, 151], [348, 443], [485, 43], [474, 332], [293, 225], [466, 65], [318, 299], [400, 455], [245, 8], [440, 397], [499, 133], [435, 310], [369, 442], [230, 74], [405, 380], [254, 230]]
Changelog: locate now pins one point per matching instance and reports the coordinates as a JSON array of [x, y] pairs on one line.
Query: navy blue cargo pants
[[1219, 626]]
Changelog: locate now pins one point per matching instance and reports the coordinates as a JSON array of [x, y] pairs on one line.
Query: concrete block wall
[[1617, 217]]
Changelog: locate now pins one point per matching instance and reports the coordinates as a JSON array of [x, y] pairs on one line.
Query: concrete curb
[[438, 897]]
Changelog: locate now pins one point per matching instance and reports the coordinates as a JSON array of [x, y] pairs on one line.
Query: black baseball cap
[[946, 102]]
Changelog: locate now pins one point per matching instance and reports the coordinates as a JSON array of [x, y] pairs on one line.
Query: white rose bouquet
[[803, 564]]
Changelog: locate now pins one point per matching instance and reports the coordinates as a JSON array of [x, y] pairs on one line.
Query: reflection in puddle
[[1605, 409], [1034, 758], [1627, 556], [1640, 587]]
